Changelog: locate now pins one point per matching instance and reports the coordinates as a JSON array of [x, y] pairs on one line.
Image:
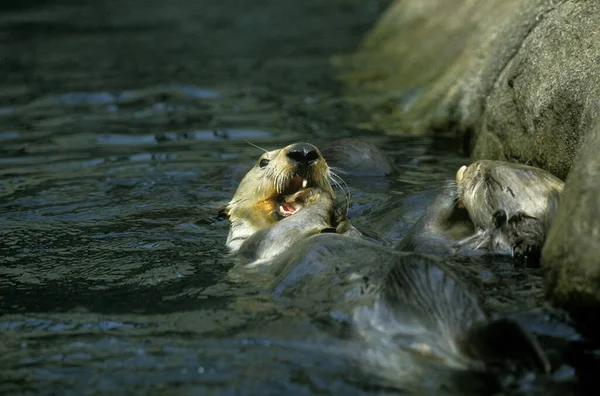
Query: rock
[[436, 61], [515, 80], [512, 78], [571, 254], [357, 157], [537, 110]]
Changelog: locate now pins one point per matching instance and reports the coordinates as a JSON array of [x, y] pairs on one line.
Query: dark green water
[[122, 133]]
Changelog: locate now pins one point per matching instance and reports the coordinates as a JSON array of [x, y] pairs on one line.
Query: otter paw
[[499, 218], [343, 227], [528, 253], [292, 203], [519, 217], [304, 196]]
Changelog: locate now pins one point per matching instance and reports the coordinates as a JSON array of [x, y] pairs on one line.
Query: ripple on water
[[51, 325], [199, 135], [6, 135], [122, 139], [7, 110], [104, 97], [154, 364]]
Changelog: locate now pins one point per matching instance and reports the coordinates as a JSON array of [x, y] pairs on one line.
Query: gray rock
[[433, 63], [357, 157], [571, 254], [536, 112]]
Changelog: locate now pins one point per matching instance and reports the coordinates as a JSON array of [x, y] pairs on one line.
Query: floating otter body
[[284, 216], [495, 207], [399, 301], [511, 204], [279, 185], [442, 226]]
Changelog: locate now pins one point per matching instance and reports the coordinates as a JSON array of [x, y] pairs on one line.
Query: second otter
[[511, 204], [493, 206]]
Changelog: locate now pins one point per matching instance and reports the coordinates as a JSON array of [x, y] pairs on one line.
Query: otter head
[[267, 193]]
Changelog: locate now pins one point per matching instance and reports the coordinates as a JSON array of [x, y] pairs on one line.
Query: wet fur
[[495, 207], [253, 207], [271, 241], [401, 305], [442, 225], [511, 205]]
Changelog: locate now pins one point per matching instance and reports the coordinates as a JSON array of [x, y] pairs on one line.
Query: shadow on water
[[123, 128]]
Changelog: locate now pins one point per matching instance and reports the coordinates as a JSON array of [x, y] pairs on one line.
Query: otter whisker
[[280, 180], [277, 182], [335, 178], [283, 181], [337, 170], [341, 188], [346, 190], [333, 174], [237, 201], [258, 147]]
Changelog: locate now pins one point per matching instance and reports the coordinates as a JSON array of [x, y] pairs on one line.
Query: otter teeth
[[304, 183]]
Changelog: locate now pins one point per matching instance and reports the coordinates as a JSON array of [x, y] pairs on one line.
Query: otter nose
[[303, 153]]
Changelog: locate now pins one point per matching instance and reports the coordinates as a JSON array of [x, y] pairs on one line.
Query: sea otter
[[267, 193], [294, 180], [512, 205], [493, 207], [283, 215]]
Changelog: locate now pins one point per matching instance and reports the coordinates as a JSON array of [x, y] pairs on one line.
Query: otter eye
[[263, 162]]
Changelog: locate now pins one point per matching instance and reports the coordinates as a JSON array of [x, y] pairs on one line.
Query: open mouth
[[292, 198]]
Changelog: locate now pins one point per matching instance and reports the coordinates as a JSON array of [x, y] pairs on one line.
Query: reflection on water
[[123, 132]]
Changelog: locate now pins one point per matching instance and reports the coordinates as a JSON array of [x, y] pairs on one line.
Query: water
[[123, 128]]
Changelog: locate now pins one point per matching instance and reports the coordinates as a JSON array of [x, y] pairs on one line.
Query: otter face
[[273, 189]]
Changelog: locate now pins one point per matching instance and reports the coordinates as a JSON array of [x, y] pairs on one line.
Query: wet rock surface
[[570, 255]]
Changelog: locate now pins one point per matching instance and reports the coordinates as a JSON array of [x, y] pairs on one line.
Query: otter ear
[[460, 173]]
